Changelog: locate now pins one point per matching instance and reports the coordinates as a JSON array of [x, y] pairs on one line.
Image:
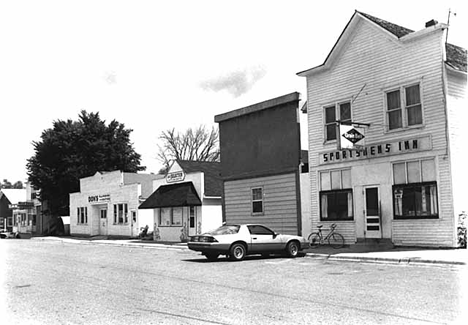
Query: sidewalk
[[358, 253]]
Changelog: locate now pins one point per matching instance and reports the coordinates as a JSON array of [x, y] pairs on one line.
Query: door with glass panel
[[373, 222], [103, 222]]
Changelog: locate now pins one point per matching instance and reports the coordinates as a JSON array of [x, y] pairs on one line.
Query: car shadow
[[225, 259]]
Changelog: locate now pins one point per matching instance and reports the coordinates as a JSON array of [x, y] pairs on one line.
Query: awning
[[173, 195]]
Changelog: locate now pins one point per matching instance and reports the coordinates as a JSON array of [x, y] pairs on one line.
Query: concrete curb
[[383, 260], [331, 257]]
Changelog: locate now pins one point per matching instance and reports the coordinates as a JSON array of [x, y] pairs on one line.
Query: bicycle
[[333, 238]]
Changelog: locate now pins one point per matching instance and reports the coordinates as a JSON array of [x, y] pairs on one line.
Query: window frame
[[82, 215], [252, 201], [337, 105], [415, 216], [346, 190], [344, 185], [403, 107], [117, 213]]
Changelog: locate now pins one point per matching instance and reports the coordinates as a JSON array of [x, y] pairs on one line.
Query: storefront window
[[415, 201], [336, 195], [169, 217], [415, 190]]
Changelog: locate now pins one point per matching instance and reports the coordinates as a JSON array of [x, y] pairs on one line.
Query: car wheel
[[212, 257], [237, 252], [292, 249]]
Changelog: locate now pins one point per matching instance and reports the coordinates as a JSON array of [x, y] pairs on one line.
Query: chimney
[[431, 22]]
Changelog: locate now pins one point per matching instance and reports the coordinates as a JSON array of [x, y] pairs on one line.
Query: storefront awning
[[173, 195]]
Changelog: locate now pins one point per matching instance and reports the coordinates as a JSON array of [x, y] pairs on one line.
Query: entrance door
[[373, 226], [103, 222], [192, 221]]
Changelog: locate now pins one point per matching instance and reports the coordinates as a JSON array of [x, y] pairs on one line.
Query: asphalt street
[[50, 282]]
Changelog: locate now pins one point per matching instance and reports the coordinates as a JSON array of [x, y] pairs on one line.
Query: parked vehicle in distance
[[237, 241]]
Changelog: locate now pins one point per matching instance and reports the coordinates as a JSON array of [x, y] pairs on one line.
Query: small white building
[[187, 201], [107, 204]]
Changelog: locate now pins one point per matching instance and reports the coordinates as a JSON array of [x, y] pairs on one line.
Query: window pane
[[257, 207], [414, 115], [325, 184], [336, 180], [345, 112], [399, 173], [393, 100], [336, 205], [330, 115], [331, 132], [428, 170], [414, 172], [416, 201], [177, 216], [346, 178], [372, 202], [412, 95], [256, 194], [394, 119]]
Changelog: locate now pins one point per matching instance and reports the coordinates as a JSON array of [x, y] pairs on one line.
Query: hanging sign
[[351, 137]]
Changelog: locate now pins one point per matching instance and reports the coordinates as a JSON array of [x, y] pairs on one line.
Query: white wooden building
[[404, 91], [186, 202], [107, 204]]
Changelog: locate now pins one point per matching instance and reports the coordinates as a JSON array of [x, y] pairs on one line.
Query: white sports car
[[237, 241]]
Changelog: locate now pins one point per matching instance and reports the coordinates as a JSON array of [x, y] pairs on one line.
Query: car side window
[[260, 230]]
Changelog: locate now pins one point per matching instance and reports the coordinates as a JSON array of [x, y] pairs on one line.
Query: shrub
[[462, 229]]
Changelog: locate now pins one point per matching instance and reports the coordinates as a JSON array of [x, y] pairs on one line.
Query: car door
[[263, 239]]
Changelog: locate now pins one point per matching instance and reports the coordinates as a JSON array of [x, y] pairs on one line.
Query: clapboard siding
[[374, 61], [280, 202]]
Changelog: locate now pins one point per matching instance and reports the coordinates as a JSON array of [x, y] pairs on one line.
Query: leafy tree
[[71, 150], [7, 184], [197, 144]]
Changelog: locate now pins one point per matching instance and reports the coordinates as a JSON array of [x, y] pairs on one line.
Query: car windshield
[[225, 230]]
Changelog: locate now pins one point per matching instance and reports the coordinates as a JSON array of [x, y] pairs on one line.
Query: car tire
[[237, 252], [292, 249], [212, 257]]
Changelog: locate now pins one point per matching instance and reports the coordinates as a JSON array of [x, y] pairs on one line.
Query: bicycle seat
[[319, 226]]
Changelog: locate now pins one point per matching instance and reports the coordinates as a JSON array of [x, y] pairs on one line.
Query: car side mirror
[[275, 235]]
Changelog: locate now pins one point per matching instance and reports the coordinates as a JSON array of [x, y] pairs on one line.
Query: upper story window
[[333, 113], [404, 107]]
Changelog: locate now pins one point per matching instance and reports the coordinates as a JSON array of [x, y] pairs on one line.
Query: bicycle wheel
[[314, 240], [336, 240]]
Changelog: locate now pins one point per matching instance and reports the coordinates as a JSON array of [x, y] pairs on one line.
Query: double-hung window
[[403, 107], [336, 195], [415, 190], [341, 112], [257, 200]]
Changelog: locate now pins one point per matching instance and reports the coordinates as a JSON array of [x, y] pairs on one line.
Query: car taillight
[[207, 239]]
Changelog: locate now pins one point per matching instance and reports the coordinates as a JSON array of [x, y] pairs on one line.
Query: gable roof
[[456, 56], [14, 195], [212, 171]]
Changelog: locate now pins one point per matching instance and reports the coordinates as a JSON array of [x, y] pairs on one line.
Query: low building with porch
[[186, 202], [107, 204]]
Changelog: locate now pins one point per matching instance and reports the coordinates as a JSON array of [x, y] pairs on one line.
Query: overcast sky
[[156, 65]]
